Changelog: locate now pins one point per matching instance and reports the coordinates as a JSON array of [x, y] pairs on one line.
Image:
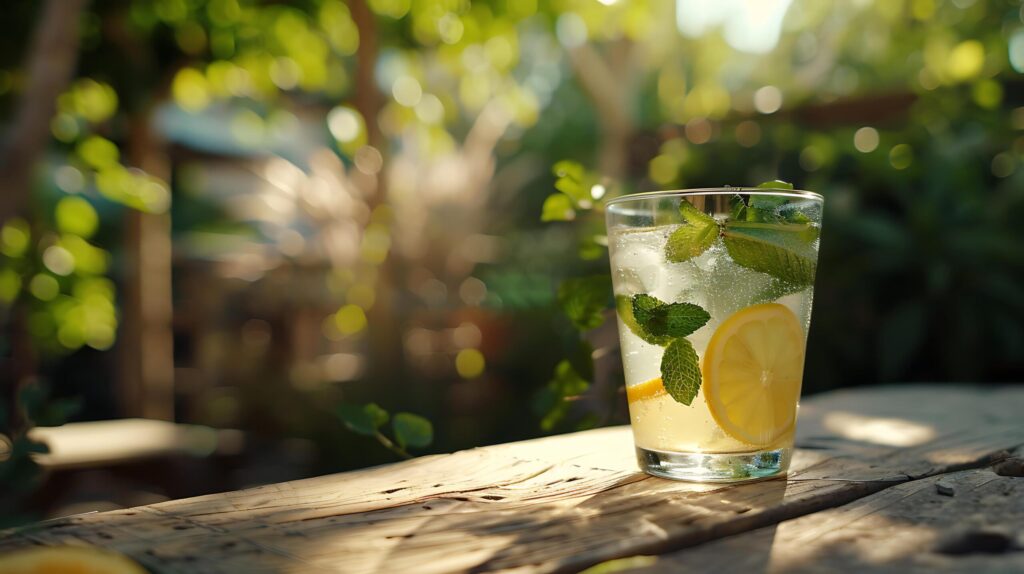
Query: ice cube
[[637, 260]]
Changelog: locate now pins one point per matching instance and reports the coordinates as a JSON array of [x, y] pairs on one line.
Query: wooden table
[[890, 479]]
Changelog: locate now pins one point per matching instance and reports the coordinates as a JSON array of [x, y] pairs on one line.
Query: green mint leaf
[[694, 237], [775, 184], [624, 306], [680, 371], [645, 308], [737, 208], [660, 319], [681, 319], [783, 251], [765, 208], [584, 299], [412, 430], [362, 419], [557, 207]]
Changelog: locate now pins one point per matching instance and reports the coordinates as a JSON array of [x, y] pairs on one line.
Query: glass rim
[[773, 191]]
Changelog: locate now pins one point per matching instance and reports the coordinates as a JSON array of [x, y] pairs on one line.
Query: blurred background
[[252, 241]]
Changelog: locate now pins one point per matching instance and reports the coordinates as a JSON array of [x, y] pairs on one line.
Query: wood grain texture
[[908, 528], [558, 504]]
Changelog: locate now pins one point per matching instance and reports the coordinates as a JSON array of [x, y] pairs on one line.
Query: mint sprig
[[680, 371], [668, 325]]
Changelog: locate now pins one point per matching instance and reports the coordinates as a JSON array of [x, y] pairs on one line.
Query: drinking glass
[[713, 291]]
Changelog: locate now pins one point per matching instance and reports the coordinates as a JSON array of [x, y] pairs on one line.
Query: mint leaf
[[624, 306], [694, 237], [557, 207], [584, 299], [783, 251], [775, 184], [661, 319], [362, 419], [645, 307], [680, 371], [412, 430]]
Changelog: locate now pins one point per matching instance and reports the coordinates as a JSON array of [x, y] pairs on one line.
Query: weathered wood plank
[[554, 504], [908, 528]]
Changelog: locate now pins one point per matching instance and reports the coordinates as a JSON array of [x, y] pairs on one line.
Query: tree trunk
[[50, 67]]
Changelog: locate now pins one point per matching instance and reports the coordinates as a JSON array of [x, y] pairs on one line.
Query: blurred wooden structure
[[904, 478]]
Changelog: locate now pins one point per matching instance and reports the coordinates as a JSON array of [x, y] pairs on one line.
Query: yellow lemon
[[752, 370], [648, 390], [68, 560]]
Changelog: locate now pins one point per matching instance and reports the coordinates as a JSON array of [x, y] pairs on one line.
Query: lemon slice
[[68, 560], [752, 370], [647, 390]]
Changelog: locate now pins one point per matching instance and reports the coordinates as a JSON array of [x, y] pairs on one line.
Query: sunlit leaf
[[362, 419], [412, 430]]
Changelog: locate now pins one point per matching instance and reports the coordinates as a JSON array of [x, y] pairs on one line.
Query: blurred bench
[[101, 443]]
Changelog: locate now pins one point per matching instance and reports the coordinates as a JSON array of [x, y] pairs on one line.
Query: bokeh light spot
[[866, 139], [58, 260], [698, 130], [1003, 165], [768, 99], [1015, 47], [571, 30], [350, 319], [190, 90], [407, 91], [901, 156], [470, 363], [76, 215], [748, 133], [14, 237], [10, 285], [44, 287], [966, 60]]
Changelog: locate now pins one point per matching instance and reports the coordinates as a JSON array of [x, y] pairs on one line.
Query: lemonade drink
[[713, 294]]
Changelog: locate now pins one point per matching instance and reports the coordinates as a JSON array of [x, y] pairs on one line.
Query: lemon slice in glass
[[752, 370]]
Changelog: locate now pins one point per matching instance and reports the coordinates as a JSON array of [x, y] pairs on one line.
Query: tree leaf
[[693, 237], [412, 430], [780, 250], [680, 371], [557, 207], [551, 401], [584, 300], [362, 419], [574, 182]]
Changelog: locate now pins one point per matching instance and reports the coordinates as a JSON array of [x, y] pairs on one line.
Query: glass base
[[714, 467]]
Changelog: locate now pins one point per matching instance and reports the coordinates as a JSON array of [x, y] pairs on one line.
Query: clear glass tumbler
[[713, 291]]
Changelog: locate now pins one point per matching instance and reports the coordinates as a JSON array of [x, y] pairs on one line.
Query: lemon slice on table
[[68, 560], [752, 370]]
